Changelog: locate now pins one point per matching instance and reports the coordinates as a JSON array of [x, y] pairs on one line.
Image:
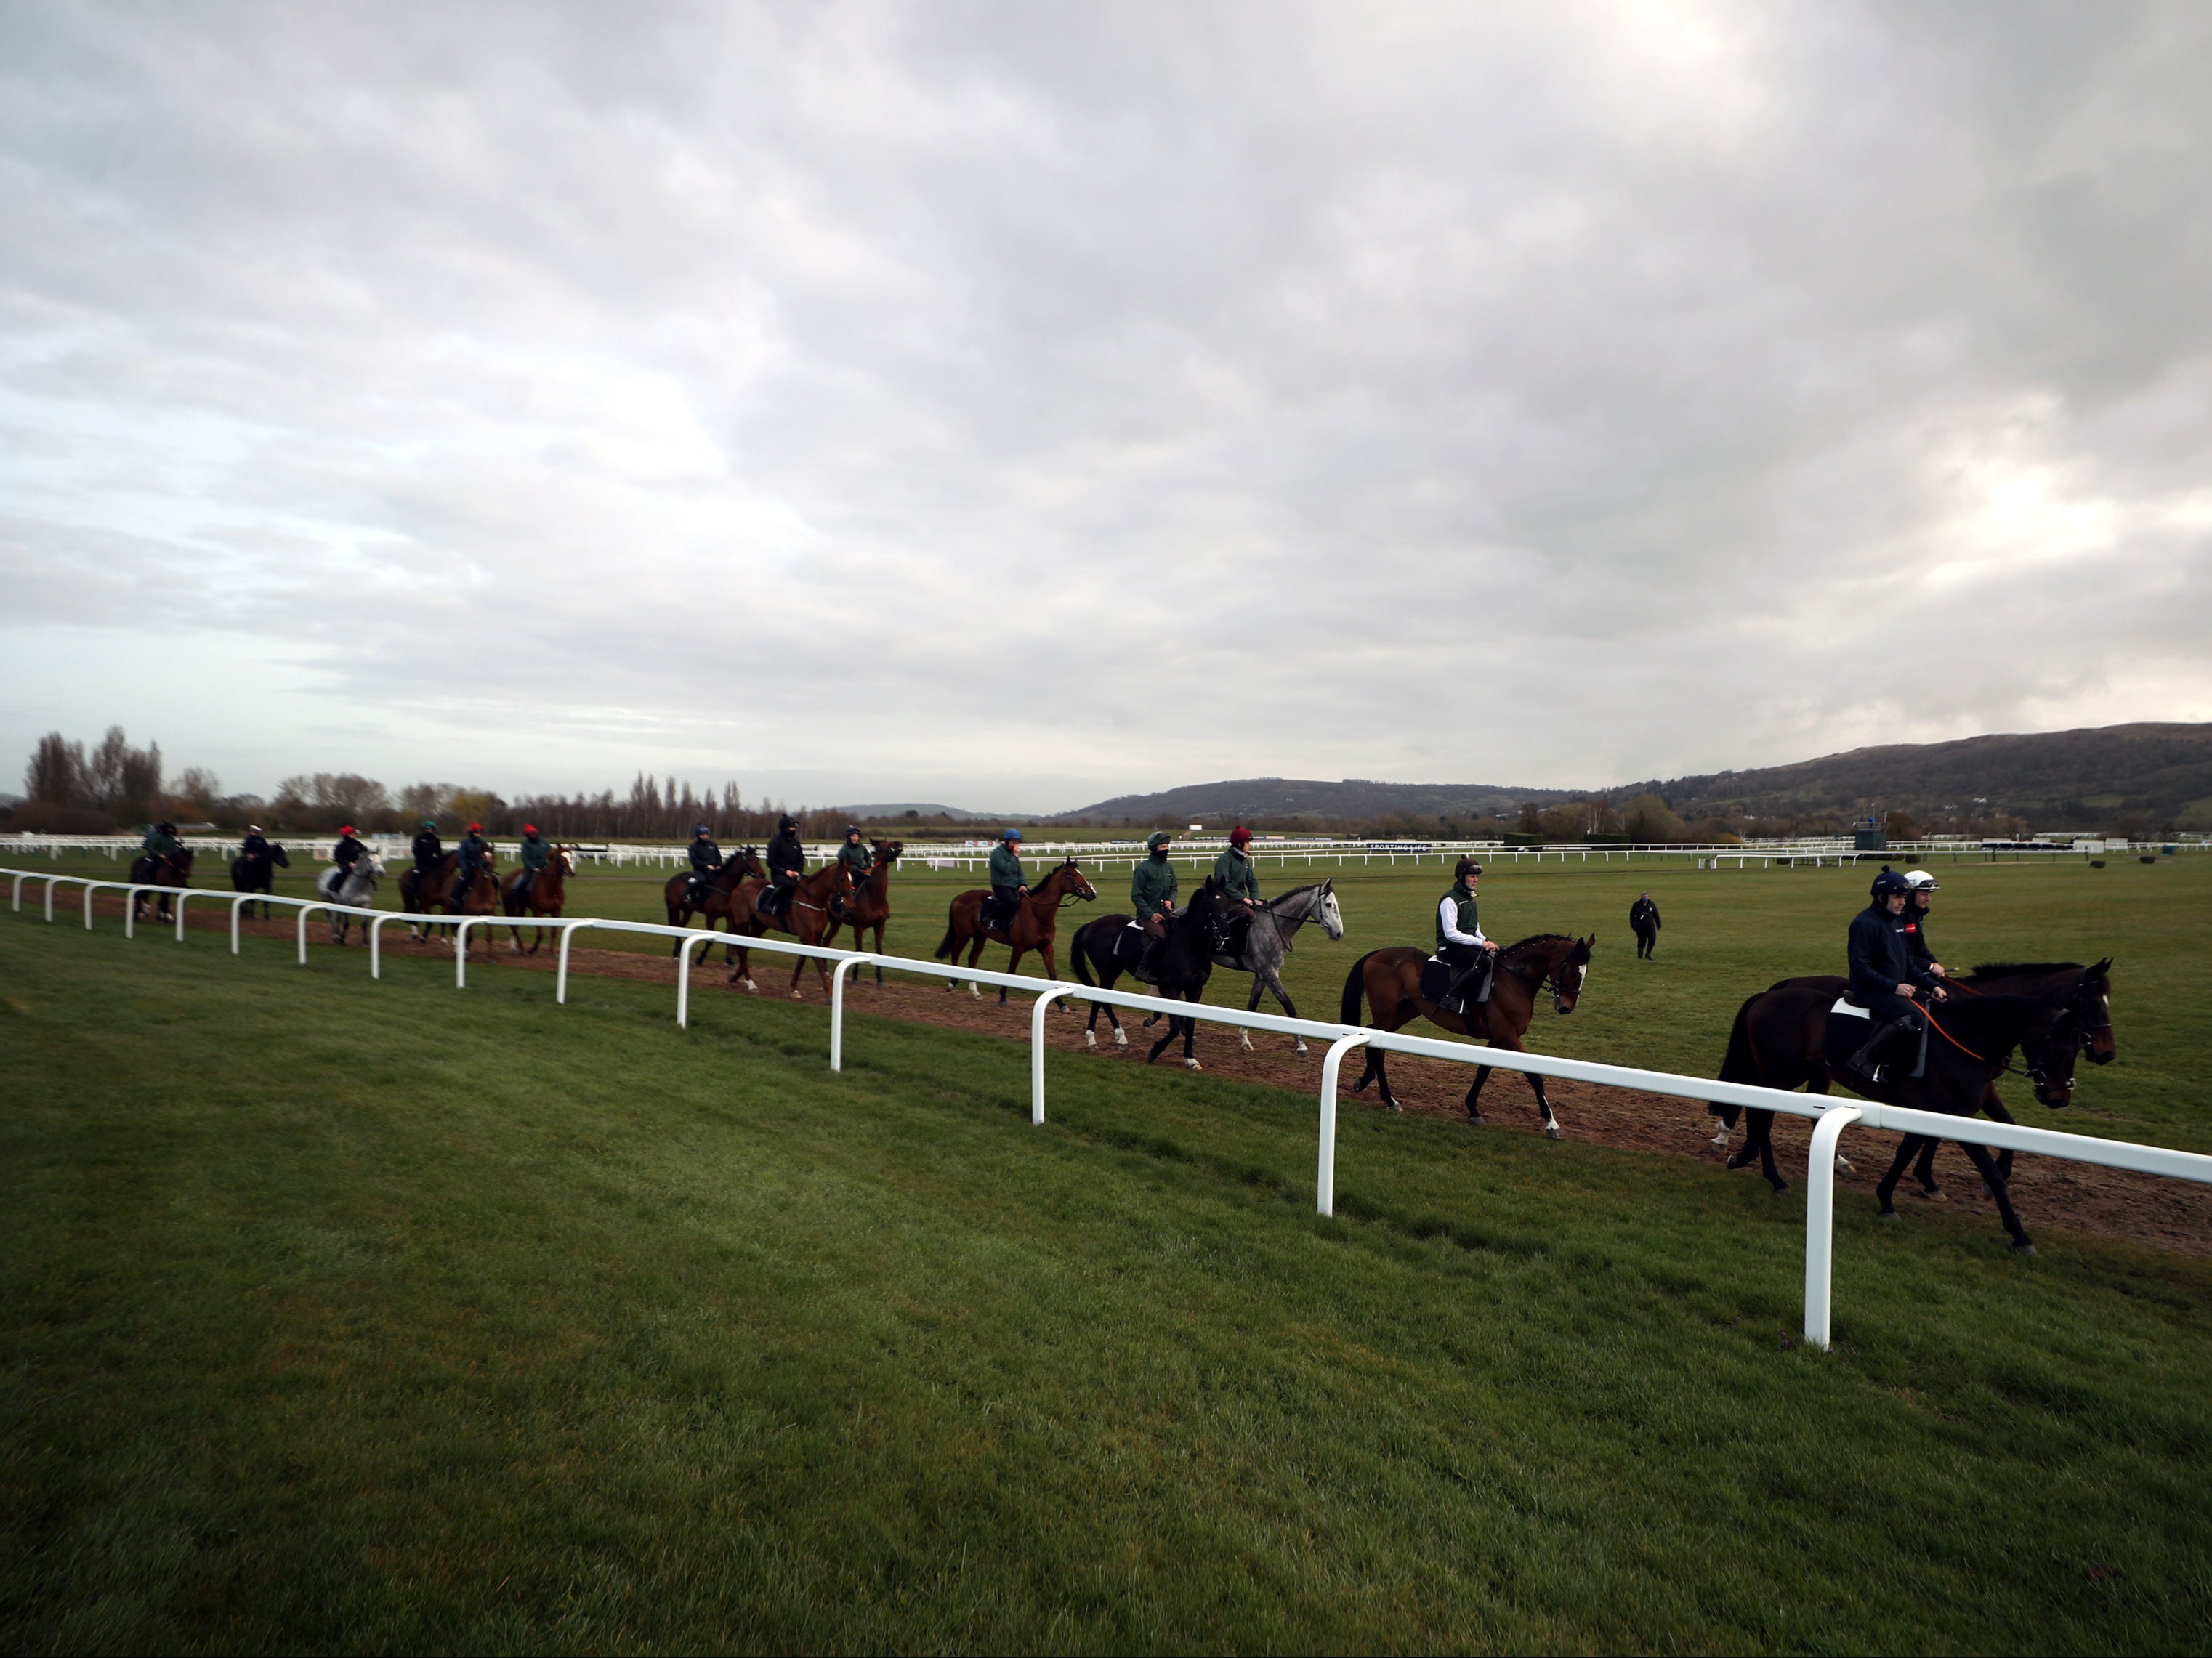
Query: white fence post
[[683, 977], [461, 952], [305, 911], [1037, 1047], [1820, 1220], [51, 879], [1325, 1174], [183, 894], [241, 899], [376, 943], [837, 1008], [561, 974]]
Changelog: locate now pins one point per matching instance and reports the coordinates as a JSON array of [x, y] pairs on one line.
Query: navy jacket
[[473, 850], [1881, 958], [706, 857], [785, 852], [253, 845], [1915, 938]]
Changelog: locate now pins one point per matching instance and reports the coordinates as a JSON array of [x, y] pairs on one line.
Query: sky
[[1018, 406]]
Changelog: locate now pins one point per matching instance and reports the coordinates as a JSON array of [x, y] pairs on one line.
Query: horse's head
[[2092, 1012], [2047, 1050], [748, 863], [1072, 880], [887, 852], [564, 859], [374, 859], [277, 855], [1569, 974], [1326, 912]]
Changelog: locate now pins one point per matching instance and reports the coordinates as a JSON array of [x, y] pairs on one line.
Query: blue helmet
[[698, 829], [1011, 835], [1889, 880]]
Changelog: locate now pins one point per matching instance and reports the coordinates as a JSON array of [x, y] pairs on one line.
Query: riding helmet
[[786, 823], [345, 829], [476, 829], [429, 823], [1465, 867], [1011, 835], [1240, 836], [1920, 880], [1160, 838], [253, 829], [699, 829], [1887, 882], [530, 829]]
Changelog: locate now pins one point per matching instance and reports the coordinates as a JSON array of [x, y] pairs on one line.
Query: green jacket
[[157, 843], [1152, 884], [862, 857], [1006, 868], [536, 854], [1464, 900], [1238, 875]]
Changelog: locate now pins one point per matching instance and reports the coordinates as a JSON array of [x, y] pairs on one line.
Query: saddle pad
[[1844, 1032], [1435, 979]]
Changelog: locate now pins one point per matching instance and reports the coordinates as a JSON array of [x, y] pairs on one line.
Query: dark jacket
[[1239, 877], [346, 853], [785, 852], [536, 854], [254, 846], [1006, 867], [1152, 884], [157, 843], [1916, 939], [1880, 959], [706, 857], [429, 850], [474, 849], [1470, 922], [1643, 916], [862, 857]]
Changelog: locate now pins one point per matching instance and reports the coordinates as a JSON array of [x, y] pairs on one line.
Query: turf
[[354, 1316]]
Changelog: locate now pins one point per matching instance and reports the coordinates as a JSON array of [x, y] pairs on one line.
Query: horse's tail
[[1082, 957], [1355, 984], [1741, 1064], [949, 946]]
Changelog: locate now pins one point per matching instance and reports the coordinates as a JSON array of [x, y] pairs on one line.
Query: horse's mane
[[2023, 970], [1537, 938]]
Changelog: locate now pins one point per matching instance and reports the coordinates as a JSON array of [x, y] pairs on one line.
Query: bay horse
[[168, 868], [1777, 1042], [869, 904], [1988, 978], [438, 877], [1391, 980], [714, 901], [259, 874], [482, 897], [547, 895], [805, 918], [1036, 922]]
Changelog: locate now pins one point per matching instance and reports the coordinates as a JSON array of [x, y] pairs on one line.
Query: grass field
[[352, 1315]]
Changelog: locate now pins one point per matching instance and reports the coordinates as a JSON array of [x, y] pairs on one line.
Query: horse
[[1392, 981], [869, 904], [805, 918], [1988, 978], [168, 868], [480, 898], [1261, 955], [1777, 1042], [1036, 920], [714, 901], [356, 887], [546, 895], [1186, 960], [438, 877], [258, 875]]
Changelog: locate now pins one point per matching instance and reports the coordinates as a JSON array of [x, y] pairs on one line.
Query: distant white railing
[[1831, 1117]]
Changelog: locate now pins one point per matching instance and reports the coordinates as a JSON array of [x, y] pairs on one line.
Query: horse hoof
[[1120, 1040], [1781, 1190], [796, 997], [1475, 1118], [1720, 1139], [1193, 1065], [1843, 1164], [1889, 1214], [1934, 1194], [1091, 1039], [2023, 1249], [1986, 1190], [751, 986], [1303, 1050], [1551, 1131]]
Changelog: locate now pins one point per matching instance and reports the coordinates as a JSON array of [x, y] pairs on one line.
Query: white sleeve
[[1447, 916]]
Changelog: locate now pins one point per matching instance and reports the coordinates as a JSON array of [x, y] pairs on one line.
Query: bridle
[[1550, 977]]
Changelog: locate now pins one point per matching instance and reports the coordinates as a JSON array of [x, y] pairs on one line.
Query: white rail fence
[[1829, 1117]]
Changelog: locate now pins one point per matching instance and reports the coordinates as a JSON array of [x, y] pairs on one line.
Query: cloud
[[1024, 406]]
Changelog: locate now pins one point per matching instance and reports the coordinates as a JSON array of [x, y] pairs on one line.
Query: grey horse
[[1266, 944], [358, 888]]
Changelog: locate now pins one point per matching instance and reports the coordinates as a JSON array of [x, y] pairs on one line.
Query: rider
[[429, 850], [536, 854], [857, 856], [474, 853], [1460, 942], [786, 863], [1916, 921], [1240, 879], [705, 859], [344, 856], [1884, 977], [161, 841], [255, 844], [1009, 884], [1152, 887]]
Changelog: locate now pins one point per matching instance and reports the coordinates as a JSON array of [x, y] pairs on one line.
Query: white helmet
[[1920, 880]]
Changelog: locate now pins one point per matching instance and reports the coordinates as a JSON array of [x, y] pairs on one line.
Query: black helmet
[[787, 822], [1465, 867], [1889, 880], [1160, 838], [852, 828], [700, 828]]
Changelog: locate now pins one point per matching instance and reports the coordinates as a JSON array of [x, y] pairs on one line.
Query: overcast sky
[[1014, 405]]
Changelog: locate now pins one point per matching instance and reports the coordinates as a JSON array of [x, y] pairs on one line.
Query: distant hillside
[[2055, 779], [884, 813], [1285, 801]]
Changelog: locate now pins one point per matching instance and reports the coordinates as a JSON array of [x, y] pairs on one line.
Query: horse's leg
[[1924, 1172], [1995, 1182], [1014, 965], [1474, 1095], [1886, 1190], [1282, 995], [1511, 1044], [1996, 1107], [1190, 1038]]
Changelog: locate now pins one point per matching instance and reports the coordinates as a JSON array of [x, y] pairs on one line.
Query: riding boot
[[1866, 1063]]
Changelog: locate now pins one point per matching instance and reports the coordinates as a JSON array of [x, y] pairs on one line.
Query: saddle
[[1846, 1031], [1444, 984], [1129, 946]]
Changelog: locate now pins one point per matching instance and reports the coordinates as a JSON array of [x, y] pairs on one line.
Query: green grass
[[351, 1315]]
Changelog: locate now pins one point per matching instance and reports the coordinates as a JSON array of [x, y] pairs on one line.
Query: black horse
[[1988, 978], [1778, 1042], [168, 868], [1180, 968], [257, 873]]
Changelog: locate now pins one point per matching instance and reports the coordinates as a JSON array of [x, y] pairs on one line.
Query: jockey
[[429, 850], [1152, 887], [254, 845], [536, 854], [1459, 941], [1234, 870], [1916, 921], [786, 864], [1009, 884], [474, 853], [345, 855], [1884, 979], [705, 859], [858, 857], [161, 841]]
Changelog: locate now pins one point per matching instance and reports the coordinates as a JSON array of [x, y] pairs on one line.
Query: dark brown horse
[[168, 868], [714, 896], [481, 896], [805, 918], [1036, 922], [1777, 1042], [1391, 980], [547, 895], [418, 891], [869, 904], [259, 874]]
